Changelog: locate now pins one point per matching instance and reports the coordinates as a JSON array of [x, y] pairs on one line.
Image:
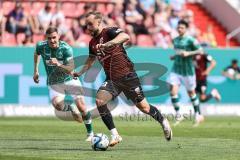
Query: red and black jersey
[[115, 61], [201, 64]]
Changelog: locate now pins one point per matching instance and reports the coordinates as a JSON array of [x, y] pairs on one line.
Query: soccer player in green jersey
[[183, 71], [58, 61]]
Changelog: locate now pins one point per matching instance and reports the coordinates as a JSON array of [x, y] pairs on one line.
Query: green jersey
[[184, 65], [63, 54]]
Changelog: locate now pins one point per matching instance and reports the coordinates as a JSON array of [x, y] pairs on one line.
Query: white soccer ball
[[231, 72], [100, 142]]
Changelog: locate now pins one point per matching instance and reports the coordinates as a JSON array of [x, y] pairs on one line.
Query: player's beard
[[95, 32], [181, 34], [54, 45]]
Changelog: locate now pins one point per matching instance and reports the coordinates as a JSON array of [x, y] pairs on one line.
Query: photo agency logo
[[139, 116], [151, 77]]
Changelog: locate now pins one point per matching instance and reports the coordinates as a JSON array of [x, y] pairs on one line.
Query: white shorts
[[188, 81], [72, 88]]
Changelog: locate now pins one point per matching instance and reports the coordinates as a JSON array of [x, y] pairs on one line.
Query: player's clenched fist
[[54, 61], [36, 77]]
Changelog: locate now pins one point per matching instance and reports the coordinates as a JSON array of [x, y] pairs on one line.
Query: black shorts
[[129, 85], [201, 86]]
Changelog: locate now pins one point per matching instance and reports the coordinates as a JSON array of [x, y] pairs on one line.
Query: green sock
[[175, 102], [196, 104], [88, 123]]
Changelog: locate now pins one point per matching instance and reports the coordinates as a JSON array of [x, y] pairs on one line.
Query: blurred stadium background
[[28, 127], [151, 25]]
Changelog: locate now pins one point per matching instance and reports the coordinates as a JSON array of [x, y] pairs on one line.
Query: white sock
[[197, 114], [177, 112], [114, 131], [213, 92]]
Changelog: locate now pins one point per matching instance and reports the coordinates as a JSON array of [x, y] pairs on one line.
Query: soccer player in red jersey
[[107, 46], [204, 64]]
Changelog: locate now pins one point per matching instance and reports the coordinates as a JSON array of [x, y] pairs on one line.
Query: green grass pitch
[[218, 138]]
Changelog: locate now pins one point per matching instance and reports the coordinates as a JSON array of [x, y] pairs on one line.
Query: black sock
[[208, 97], [106, 116], [155, 113]]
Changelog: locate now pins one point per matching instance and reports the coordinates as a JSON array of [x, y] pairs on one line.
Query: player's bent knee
[[143, 106], [76, 117], [58, 103], [58, 107], [80, 104], [100, 102]]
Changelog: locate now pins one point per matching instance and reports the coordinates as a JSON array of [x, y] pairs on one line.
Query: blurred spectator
[[156, 18], [58, 21], [34, 22], [72, 34], [177, 5], [173, 19], [148, 6], [58, 15], [2, 23], [61, 26], [149, 24], [17, 22], [88, 7], [208, 38], [161, 21], [117, 15], [28, 41], [188, 15], [76, 29], [134, 18], [232, 71], [45, 17]]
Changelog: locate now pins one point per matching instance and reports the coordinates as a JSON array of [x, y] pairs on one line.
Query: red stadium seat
[[27, 7], [53, 6], [110, 8], [20, 38], [37, 37], [101, 8], [69, 9], [79, 10], [145, 40], [9, 39]]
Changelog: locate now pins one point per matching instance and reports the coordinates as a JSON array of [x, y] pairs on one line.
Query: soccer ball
[[231, 72], [100, 142]]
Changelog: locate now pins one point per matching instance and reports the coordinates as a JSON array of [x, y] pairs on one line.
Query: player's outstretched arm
[[88, 64], [210, 67], [119, 39], [36, 64]]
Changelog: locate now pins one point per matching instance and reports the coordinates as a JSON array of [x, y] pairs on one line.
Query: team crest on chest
[[60, 55]]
